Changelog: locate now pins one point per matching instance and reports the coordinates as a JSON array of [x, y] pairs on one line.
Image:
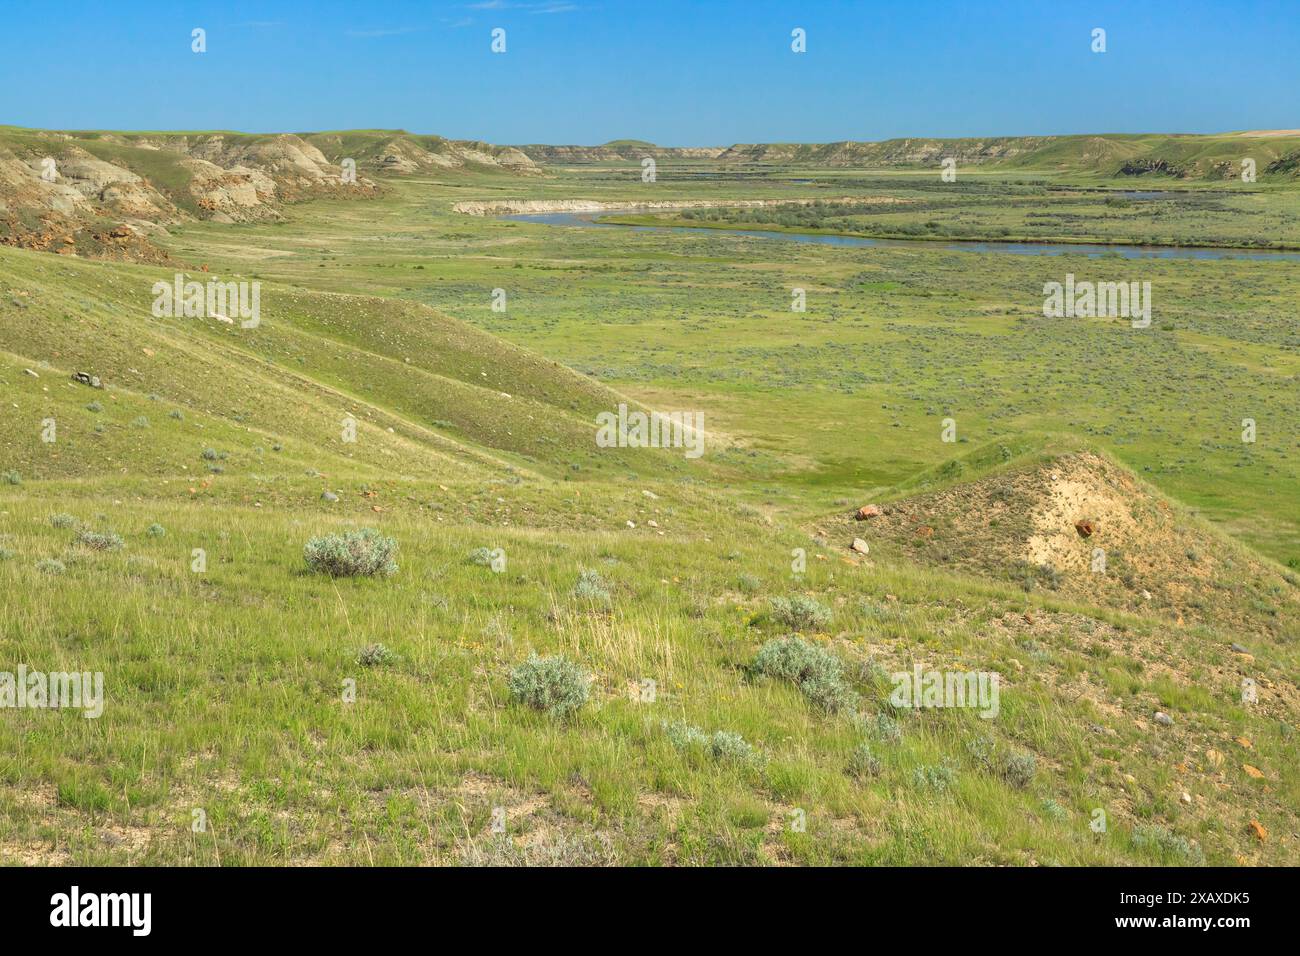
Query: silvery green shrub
[[481, 557], [1055, 810], [724, 745], [883, 727], [936, 777], [555, 685], [799, 613], [591, 587], [863, 761], [374, 654], [353, 553], [817, 672], [1019, 769], [100, 540], [1167, 844], [51, 566], [155, 530], [63, 520]]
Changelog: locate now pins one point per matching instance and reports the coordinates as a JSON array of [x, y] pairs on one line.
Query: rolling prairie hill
[[426, 390], [1191, 157]]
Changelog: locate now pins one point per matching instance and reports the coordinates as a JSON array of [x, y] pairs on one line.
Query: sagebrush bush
[[554, 685], [1019, 769], [936, 777], [155, 530], [100, 540], [51, 566], [591, 587], [725, 745], [375, 654], [799, 613], [817, 672], [12, 478], [481, 557], [353, 553], [1055, 810], [886, 728], [1167, 844], [6, 554], [748, 584], [863, 762], [63, 520]]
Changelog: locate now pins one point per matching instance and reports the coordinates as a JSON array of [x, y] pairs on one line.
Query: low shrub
[[375, 654], [592, 587], [100, 540], [799, 613], [351, 554], [817, 672], [555, 685]]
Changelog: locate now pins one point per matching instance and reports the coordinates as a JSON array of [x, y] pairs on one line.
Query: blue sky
[[676, 73]]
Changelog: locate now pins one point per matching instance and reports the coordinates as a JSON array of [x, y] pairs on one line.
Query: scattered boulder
[[328, 496], [1163, 719], [1085, 527], [86, 378], [859, 546], [867, 511]]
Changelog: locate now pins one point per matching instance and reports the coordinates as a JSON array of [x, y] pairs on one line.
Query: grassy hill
[[1191, 157]]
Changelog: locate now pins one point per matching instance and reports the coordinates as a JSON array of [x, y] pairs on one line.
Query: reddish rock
[[1085, 528], [867, 511]]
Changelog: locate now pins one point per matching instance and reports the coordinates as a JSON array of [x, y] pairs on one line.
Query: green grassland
[[225, 687]]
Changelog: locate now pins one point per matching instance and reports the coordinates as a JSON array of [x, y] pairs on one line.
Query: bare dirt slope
[[1087, 528]]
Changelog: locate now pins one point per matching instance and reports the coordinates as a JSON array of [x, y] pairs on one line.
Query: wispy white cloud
[[384, 32], [547, 6]]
